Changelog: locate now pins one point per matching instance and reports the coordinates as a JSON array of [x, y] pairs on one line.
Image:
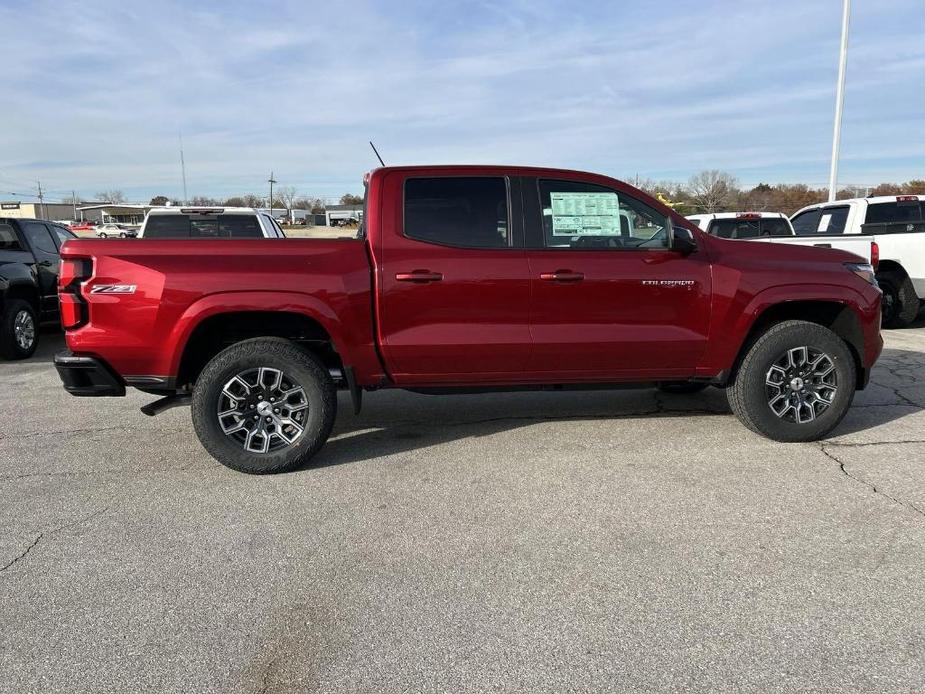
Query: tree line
[[707, 191], [719, 191]]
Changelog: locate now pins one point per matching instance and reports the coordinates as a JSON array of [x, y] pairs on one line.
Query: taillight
[[73, 309], [874, 254]]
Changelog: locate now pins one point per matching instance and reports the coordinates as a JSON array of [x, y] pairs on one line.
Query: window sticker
[[824, 222], [585, 214]]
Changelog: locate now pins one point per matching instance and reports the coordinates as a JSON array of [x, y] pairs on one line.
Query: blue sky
[[97, 91]]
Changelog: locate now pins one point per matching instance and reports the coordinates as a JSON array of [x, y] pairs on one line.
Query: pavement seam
[[42, 535], [841, 466]]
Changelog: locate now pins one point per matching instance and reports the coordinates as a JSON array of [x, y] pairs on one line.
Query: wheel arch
[[838, 316], [218, 321]]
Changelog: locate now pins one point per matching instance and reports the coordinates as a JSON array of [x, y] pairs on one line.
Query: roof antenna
[[377, 152]]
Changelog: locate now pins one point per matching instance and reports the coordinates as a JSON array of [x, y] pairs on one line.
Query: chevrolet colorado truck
[[462, 279]]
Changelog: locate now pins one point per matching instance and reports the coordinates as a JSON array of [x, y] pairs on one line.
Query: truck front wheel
[[263, 406], [900, 303], [795, 383]]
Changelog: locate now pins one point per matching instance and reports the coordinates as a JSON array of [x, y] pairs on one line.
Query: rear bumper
[[87, 376]]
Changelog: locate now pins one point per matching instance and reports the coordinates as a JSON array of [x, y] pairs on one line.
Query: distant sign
[[9, 206]]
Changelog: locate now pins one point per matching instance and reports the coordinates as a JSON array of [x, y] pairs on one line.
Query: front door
[[452, 286], [610, 298], [47, 263]]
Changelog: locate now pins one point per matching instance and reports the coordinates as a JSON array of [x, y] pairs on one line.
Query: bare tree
[[712, 189], [114, 196], [351, 199], [288, 195]]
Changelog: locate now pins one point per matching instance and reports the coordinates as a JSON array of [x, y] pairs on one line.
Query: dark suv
[[29, 261]]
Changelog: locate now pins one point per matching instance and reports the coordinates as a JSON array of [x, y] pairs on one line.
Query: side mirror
[[682, 241]]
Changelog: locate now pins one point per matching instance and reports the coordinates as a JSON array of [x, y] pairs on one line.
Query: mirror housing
[[682, 241]]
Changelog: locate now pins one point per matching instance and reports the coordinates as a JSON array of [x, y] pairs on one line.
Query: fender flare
[[271, 301]]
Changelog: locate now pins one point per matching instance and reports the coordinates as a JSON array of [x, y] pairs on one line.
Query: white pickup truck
[[887, 231], [892, 231]]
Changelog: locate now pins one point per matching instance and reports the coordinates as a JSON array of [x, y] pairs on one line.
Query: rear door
[[41, 240], [610, 299], [453, 289]]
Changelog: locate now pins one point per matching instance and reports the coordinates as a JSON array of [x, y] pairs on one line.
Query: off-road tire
[[899, 291], [276, 353], [747, 394], [9, 347]]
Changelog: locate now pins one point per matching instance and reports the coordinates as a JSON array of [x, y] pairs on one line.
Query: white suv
[[209, 222]]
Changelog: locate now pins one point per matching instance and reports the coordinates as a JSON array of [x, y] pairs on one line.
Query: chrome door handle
[[562, 276], [419, 276]]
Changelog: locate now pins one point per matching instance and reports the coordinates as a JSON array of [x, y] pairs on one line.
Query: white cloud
[[300, 88]]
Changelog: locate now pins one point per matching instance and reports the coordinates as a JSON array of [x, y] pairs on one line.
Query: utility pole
[[183, 169], [271, 181], [839, 98], [41, 200], [74, 202]]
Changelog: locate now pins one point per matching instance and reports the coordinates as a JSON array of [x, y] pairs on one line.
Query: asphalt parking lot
[[590, 541]]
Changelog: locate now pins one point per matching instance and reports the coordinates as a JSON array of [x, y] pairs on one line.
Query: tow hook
[[176, 400]]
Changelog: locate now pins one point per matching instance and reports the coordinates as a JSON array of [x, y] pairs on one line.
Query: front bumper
[[87, 376]]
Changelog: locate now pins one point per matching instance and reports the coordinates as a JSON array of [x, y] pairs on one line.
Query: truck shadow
[[51, 341], [397, 422]]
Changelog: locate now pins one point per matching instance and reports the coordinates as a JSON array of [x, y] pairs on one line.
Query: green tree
[[351, 199], [159, 200]]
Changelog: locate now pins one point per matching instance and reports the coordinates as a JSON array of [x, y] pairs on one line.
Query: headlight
[[863, 270]]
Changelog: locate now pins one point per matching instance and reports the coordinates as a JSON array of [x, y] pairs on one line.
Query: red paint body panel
[[486, 316]]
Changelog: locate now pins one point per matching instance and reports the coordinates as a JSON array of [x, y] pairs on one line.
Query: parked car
[[115, 231], [82, 226], [29, 262], [467, 278], [743, 225], [209, 222], [890, 228]]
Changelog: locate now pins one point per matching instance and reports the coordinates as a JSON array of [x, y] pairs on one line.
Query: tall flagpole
[[839, 99]]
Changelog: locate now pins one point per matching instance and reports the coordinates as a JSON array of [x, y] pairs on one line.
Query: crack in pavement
[[841, 466], [42, 535]]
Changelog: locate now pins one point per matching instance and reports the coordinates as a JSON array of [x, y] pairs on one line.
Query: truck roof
[[871, 200], [738, 215], [203, 209]]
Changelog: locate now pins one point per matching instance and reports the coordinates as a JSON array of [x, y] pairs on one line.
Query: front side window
[[587, 216], [469, 212]]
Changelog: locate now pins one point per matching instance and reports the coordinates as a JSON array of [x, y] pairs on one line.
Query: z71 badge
[[113, 289]]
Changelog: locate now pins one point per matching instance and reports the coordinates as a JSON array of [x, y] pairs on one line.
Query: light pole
[[839, 98], [271, 181]]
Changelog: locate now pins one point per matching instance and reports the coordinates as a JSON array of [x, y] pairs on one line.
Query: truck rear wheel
[[795, 383], [263, 406], [19, 332], [900, 303]]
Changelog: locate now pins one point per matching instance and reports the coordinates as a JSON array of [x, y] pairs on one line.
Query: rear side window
[[828, 220], [8, 239], [62, 234], [39, 238], [470, 212]]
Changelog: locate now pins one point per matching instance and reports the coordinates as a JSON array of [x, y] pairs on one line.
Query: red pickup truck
[[466, 278]]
